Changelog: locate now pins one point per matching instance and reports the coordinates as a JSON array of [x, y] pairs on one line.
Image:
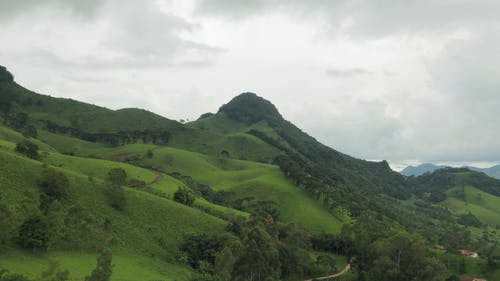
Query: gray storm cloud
[[389, 80]]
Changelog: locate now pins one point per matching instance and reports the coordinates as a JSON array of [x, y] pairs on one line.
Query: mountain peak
[[5, 75], [249, 108]]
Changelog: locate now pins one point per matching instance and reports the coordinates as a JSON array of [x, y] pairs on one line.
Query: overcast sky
[[408, 81]]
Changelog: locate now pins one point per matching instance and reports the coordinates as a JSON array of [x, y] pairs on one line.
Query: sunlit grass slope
[[485, 206], [264, 182], [146, 220], [125, 267]]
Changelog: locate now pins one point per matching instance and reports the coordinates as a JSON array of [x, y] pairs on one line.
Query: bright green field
[[262, 181], [484, 206], [136, 230], [98, 168], [125, 267]]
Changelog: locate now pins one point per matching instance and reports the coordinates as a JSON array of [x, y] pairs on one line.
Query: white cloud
[[375, 79]]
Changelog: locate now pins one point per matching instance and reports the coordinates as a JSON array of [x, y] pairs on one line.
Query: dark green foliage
[[462, 267], [5, 224], [227, 258], [205, 115], [220, 197], [5, 75], [202, 248], [149, 154], [160, 137], [401, 257], [29, 131], [332, 243], [7, 99], [295, 261], [453, 277], [494, 257], [469, 220], [103, 269], [117, 176], [28, 149], [184, 196], [443, 179], [295, 236], [224, 154], [326, 260], [249, 108], [53, 185], [116, 197], [16, 120], [260, 259], [81, 229], [136, 183], [34, 233]]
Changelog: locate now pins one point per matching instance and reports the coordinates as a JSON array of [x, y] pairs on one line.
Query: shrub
[[34, 233], [54, 185], [116, 198], [28, 149], [184, 196], [117, 176], [103, 269]]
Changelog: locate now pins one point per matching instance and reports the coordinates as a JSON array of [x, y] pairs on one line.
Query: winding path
[[158, 178], [344, 271]]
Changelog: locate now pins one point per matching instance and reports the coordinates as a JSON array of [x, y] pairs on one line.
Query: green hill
[[137, 230], [230, 195]]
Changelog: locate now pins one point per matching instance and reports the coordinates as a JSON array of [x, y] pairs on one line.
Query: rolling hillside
[[218, 198]]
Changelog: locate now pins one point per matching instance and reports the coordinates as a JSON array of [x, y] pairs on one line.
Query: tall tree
[[260, 260]]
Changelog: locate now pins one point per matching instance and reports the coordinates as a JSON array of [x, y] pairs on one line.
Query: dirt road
[[344, 271]]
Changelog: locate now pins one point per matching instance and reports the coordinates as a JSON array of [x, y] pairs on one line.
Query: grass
[[7, 134], [245, 178], [239, 145], [99, 168], [147, 218], [485, 206], [67, 144], [88, 117], [125, 267]]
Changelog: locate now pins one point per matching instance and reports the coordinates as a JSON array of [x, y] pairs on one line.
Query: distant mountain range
[[429, 167]]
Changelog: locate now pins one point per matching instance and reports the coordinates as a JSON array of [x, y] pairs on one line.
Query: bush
[[184, 196], [117, 176], [136, 183], [28, 149], [34, 233], [116, 198], [469, 220], [103, 269], [54, 185]]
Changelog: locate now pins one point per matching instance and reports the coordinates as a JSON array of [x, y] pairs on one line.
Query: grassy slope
[[125, 267], [7, 134], [263, 181], [239, 145], [136, 231], [98, 168], [91, 118], [485, 206]]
